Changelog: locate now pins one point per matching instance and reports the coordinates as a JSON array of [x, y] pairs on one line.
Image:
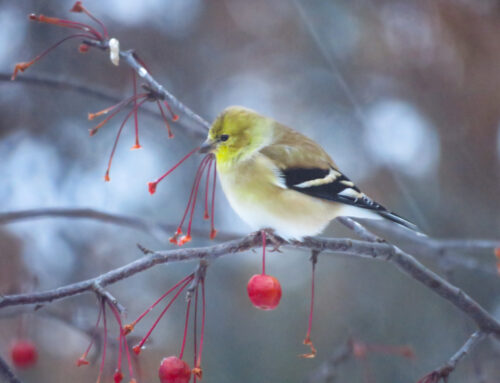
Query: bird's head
[[236, 134]]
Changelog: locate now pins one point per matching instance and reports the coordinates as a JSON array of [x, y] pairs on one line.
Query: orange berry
[[264, 291]]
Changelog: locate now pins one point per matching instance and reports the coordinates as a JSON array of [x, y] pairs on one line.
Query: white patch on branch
[[114, 51]]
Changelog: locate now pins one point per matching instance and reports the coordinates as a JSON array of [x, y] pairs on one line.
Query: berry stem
[[152, 185], [67, 24], [192, 200], [213, 232], [264, 237], [196, 187], [181, 354], [307, 340], [175, 117], [207, 188], [169, 130], [105, 340], [83, 359], [136, 119], [22, 66], [123, 342], [118, 108], [134, 323], [78, 7], [203, 314], [141, 343], [134, 110], [118, 371], [195, 332]]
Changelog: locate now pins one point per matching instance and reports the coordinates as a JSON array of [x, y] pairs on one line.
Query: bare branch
[[130, 58], [160, 231], [105, 294], [381, 251], [444, 371], [93, 91], [7, 372]]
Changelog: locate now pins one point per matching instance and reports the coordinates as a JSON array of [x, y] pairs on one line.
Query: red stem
[[185, 329], [101, 24], [195, 328], [201, 169], [66, 24], [136, 119], [207, 187], [202, 321], [263, 234], [94, 334], [213, 232], [105, 341], [169, 130], [311, 311], [190, 277], [106, 176], [118, 320], [177, 165], [139, 346], [23, 66], [198, 176]]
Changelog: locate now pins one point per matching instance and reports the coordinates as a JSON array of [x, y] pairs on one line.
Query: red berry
[[23, 353], [264, 291], [174, 370]]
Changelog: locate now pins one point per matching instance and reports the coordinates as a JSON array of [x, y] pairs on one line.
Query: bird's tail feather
[[399, 220]]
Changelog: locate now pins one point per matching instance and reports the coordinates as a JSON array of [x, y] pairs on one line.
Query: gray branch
[[130, 58], [7, 373], [444, 371], [160, 231], [364, 249], [64, 84]]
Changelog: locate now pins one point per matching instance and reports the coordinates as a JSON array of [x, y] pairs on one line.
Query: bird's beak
[[207, 147]]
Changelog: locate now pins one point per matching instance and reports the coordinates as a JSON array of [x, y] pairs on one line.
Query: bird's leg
[[275, 240]]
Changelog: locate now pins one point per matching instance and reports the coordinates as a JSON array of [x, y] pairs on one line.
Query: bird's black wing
[[332, 185]]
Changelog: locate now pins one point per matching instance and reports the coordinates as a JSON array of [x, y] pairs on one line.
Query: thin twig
[[64, 84], [105, 294], [445, 371], [428, 248], [7, 372], [160, 231], [130, 58]]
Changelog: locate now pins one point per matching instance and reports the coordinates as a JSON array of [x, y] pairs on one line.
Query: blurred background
[[404, 94]]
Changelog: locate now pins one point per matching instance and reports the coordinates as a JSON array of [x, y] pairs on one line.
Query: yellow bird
[[275, 177]]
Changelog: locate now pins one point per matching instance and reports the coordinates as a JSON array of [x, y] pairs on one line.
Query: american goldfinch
[[275, 177]]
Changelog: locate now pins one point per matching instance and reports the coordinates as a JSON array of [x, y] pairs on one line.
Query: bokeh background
[[404, 94]]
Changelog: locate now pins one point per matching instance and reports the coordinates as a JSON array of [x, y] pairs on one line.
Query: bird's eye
[[224, 137]]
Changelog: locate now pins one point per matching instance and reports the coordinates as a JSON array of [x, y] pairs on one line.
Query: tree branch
[[364, 249], [93, 91], [7, 372], [440, 286], [131, 59], [160, 231], [444, 371]]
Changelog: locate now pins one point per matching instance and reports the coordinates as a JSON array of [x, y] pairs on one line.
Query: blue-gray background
[[405, 95]]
